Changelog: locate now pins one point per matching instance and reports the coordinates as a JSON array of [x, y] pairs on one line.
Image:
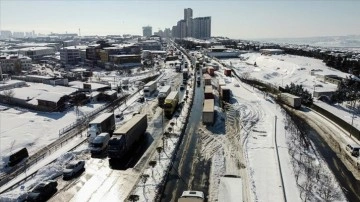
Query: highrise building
[[188, 13], [147, 31], [199, 27], [5, 34]]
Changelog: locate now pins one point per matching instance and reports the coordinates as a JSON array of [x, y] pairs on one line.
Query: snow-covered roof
[[49, 96]]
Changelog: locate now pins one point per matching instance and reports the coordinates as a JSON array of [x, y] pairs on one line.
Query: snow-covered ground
[[258, 115], [125, 180], [281, 70], [34, 130]]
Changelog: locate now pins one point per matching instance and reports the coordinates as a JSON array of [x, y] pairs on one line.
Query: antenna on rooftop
[[79, 32]]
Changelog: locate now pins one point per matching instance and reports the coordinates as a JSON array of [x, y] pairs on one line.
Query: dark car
[[42, 191]]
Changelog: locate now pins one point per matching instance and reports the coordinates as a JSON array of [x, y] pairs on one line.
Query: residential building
[[14, 63], [18, 35], [5, 34], [71, 55], [147, 31], [199, 27], [150, 45], [123, 59], [188, 13], [36, 53]]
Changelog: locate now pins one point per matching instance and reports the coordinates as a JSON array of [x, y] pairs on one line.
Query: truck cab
[[192, 196], [99, 143]]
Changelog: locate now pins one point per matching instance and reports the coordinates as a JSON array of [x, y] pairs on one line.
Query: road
[[189, 171], [330, 141]]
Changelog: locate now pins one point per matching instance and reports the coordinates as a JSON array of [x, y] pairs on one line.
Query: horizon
[[264, 19]]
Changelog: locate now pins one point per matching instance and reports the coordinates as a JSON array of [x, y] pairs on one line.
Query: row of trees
[[299, 90], [314, 181], [340, 61]]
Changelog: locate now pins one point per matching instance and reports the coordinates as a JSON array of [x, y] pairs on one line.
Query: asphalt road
[[189, 171]]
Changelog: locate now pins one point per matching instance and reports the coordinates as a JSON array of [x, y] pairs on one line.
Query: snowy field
[[281, 70], [262, 177], [34, 130]]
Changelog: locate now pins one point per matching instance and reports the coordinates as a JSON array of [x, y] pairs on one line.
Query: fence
[[343, 124], [66, 136]]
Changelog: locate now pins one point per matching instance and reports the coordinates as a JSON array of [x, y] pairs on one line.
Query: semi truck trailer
[[163, 93], [291, 100], [124, 137], [170, 103], [149, 88], [104, 123]]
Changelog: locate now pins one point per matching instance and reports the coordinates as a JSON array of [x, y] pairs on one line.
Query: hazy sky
[[232, 18]]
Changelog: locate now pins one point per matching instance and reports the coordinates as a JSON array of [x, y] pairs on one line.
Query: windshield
[[96, 145]]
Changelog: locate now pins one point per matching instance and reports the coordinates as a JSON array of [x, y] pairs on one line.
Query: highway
[[189, 171]]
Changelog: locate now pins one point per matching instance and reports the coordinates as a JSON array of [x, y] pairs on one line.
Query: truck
[[192, 196], [170, 103], [291, 100], [104, 123], [163, 93], [225, 93], [208, 112], [185, 73], [149, 88], [126, 135], [99, 144]]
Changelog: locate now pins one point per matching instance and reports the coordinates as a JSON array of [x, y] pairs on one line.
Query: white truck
[[149, 88], [104, 123], [291, 100], [192, 196]]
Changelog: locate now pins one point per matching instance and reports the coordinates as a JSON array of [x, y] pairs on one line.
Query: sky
[[231, 18]]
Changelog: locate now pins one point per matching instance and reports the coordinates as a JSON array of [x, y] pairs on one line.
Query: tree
[[133, 198], [144, 178], [159, 150], [152, 164], [9, 94]]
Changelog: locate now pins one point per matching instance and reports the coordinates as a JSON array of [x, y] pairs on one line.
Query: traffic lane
[[175, 185]]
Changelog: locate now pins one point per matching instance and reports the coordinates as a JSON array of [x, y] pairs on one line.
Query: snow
[[281, 70]]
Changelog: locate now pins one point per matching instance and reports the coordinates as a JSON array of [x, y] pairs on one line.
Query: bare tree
[[133, 198], [152, 164], [159, 150], [328, 190], [9, 94]]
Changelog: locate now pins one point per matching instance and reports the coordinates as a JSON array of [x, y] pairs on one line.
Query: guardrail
[[66, 136]]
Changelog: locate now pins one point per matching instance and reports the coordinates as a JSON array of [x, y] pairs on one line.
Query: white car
[[236, 85], [73, 168]]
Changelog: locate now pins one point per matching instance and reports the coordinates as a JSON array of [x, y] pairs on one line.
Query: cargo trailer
[[149, 88], [126, 135], [104, 123], [208, 92], [207, 79], [208, 112], [171, 103], [291, 100], [163, 93]]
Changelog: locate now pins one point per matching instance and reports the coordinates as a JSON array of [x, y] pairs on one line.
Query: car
[[141, 99], [182, 87], [236, 85], [353, 149], [73, 168], [42, 191]]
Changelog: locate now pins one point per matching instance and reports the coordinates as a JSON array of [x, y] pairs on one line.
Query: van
[[353, 149], [99, 143]]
